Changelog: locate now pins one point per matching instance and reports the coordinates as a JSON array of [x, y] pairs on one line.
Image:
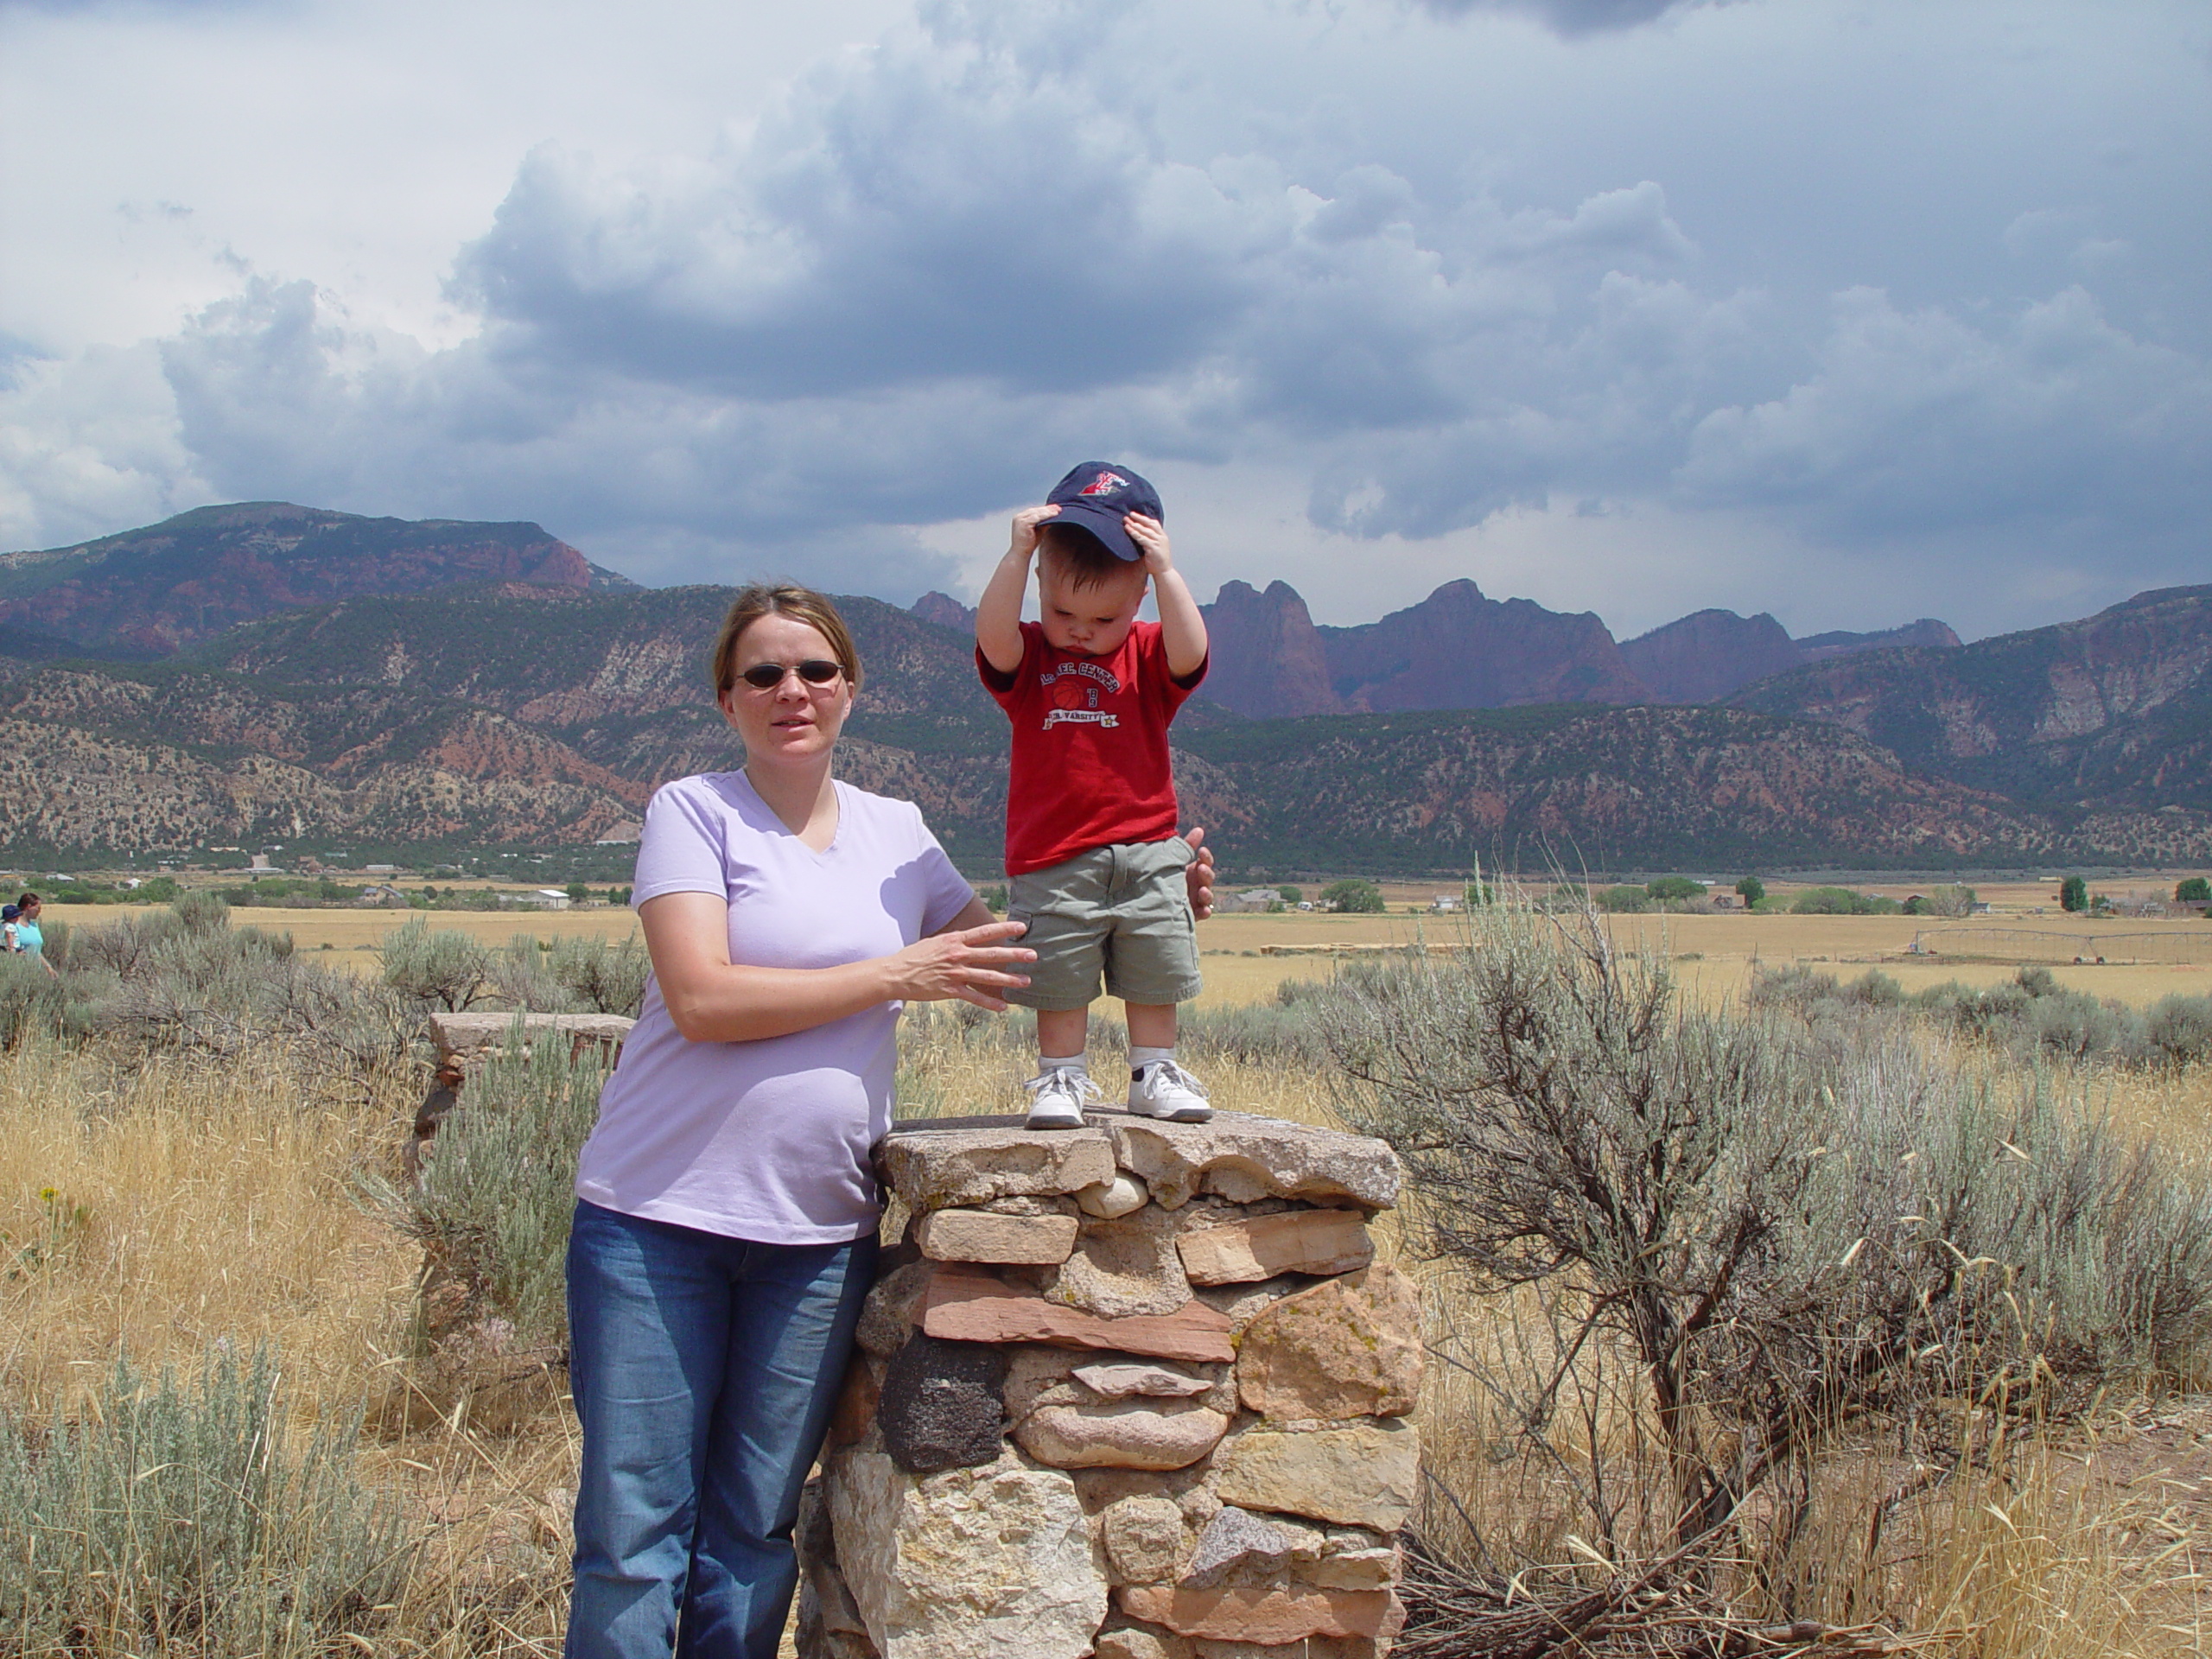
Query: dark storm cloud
[[949, 265]]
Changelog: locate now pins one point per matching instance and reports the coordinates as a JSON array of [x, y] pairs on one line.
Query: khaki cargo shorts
[[1122, 911]]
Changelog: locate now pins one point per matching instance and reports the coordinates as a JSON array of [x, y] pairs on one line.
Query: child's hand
[[1024, 529], [1152, 536]]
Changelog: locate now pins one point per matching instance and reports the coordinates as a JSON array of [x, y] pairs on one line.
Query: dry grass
[[190, 1206], [218, 1207]]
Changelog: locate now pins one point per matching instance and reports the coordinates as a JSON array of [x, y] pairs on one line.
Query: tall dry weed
[[190, 1205]]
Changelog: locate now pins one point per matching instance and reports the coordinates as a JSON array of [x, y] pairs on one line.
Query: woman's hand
[[1198, 875], [969, 963]]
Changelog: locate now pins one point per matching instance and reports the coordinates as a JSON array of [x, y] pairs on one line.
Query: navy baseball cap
[[1096, 496]]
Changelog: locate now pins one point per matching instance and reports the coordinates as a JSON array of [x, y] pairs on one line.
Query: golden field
[[1716, 953], [221, 1205]]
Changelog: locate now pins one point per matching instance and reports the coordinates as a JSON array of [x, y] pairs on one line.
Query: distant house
[[542, 898], [1256, 899], [380, 897], [1445, 902]]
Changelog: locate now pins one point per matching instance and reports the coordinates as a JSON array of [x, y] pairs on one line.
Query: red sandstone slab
[[1270, 1617], [963, 1305]]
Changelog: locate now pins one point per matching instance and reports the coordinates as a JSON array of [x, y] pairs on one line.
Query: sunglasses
[[815, 670]]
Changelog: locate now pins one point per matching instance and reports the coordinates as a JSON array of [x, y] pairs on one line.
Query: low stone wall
[[1137, 1389]]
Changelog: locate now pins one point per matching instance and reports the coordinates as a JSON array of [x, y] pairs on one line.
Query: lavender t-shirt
[[768, 1140]]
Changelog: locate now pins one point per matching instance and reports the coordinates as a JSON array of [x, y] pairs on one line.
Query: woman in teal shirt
[[30, 938]]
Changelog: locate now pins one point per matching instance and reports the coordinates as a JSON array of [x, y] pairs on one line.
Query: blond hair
[[782, 599]]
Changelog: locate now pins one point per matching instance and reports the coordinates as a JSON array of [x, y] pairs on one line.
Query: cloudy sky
[[1850, 311]]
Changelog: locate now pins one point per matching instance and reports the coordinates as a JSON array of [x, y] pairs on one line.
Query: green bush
[[1291, 895], [1751, 890], [2193, 890], [498, 1182], [602, 976], [1354, 896], [1786, 1233], [1674, 889], [2073, 893], [33, 1003], [1622, 901], [1841, 901], [191, 1519], [442, 968]]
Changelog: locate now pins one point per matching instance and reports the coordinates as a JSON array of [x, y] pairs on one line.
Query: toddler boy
[[1091, 851]]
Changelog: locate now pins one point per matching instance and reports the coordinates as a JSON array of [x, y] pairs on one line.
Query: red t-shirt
[[1090, 764]]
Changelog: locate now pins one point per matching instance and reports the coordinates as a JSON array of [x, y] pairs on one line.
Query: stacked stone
[[1137, 1390]]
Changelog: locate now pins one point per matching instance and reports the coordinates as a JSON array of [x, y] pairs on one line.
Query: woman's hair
[[1086, 561], [782, 599], [27, 901]]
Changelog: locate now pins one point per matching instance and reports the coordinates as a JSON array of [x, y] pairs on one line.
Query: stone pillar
[[1137, 1389]]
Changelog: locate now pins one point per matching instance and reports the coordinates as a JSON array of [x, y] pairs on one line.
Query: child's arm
[[998, 613], [1182, 630]]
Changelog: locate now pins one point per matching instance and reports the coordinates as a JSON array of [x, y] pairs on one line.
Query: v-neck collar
[[776, 819]]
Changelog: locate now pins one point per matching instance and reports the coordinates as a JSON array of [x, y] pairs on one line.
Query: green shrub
[[203, 913], [1751, 890], [191, 1519], [602, 976], [1291, 895], [2180, 1029], [1353, 895], [1674, 889], [2073, 893], [2193, 890], [1283, 1031], [33, 1003], [442, 968], [1841, 901], [1622, 901], [1785, 1233], [498, 1182]]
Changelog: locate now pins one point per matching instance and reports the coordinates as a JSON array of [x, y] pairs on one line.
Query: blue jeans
[[704, 1370]]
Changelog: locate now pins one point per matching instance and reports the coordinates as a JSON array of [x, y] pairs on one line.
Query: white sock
[[1141, 1057], [1047, 1065]]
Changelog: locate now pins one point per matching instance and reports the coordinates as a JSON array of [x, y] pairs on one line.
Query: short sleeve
[[1173, 692], [949, 892], [1006, 688], [681, 846]]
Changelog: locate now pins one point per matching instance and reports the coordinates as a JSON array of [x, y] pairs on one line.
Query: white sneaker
[[1165, 1090], [1057, 1098]]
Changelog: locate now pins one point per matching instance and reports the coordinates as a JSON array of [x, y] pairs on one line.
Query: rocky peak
[[1703, 656], [1459, 648], [1926, 632], [943, 610], [1268, 658]]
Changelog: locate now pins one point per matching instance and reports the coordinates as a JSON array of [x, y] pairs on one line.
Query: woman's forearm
[[731, 1003], [712, 1000]]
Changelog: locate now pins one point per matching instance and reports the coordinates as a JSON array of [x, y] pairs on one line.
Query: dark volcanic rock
[[1267, 660], [1702, 656], [944, 1405], [1459, 650]]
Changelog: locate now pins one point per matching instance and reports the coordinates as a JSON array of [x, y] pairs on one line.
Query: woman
[[724, 1234], [31, 938]]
